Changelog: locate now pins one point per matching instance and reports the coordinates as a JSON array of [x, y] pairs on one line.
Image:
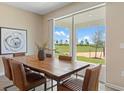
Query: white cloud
[[57, 33], [87, 37], [60, 33], [79, 40], [67, 36]]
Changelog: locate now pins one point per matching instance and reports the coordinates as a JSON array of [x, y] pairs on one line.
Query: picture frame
[[13, 40]]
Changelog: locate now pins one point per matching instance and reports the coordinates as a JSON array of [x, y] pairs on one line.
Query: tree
[[98, 40], [86, 41], [57, 41], [81, 42], [66, 41], [61, 42]]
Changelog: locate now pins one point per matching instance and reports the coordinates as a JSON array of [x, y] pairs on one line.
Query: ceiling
[[38, 7]]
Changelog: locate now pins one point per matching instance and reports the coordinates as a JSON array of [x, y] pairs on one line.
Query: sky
[[62, 33]]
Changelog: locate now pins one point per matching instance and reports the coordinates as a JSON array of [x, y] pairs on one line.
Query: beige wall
[[115, 36], [17, 18]]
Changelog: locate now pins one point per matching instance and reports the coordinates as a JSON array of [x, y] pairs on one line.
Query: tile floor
[[5, 82]]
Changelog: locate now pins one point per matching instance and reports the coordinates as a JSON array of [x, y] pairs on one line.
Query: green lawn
[[91, 60], [87, 49], [64, 50]]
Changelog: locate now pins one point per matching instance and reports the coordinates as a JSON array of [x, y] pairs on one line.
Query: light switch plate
[[121, 45], [122, 73]]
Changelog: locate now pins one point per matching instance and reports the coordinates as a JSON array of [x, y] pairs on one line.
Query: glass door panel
[[90, 36], [62, 36]]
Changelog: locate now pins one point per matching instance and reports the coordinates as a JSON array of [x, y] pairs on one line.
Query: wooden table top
[[52, 66]]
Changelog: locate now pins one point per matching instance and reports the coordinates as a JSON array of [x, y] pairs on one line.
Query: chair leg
[[5, 88], [45, 86], [33, 89], [51, 84], [76, 75]]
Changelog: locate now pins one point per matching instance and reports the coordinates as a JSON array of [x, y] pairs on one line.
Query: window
[[90, 36], [82, 35], [62, 36]]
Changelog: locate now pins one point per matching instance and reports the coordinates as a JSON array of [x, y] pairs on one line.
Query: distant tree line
[[62, 42], [84, 43], [66, 42]]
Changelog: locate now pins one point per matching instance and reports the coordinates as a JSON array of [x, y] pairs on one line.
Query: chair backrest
[[7, 68], [65, 58], [91, 79], [18, 74], [18, 54]]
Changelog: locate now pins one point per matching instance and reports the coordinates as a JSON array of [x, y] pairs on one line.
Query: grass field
[[91, 60], [87, 49], [64, 50]]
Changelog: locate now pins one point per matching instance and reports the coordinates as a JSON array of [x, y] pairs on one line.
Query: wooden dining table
[[54, 68]]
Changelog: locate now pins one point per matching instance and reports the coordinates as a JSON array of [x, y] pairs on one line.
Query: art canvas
[[13, 40]]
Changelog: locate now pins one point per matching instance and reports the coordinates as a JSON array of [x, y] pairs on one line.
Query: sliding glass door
[[90, 36], [62, 36], [82, 36]]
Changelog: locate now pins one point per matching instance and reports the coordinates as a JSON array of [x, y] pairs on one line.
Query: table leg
[[76, 75], [58, 83], [51, 84]]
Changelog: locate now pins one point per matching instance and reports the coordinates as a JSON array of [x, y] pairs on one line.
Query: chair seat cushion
[[72, 84], [34, 79]]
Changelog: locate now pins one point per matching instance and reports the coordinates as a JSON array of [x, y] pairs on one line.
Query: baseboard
[[115, 87]]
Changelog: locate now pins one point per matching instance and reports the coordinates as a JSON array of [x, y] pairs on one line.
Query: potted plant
[[41, 51]]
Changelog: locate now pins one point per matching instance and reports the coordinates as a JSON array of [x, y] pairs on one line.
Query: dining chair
[[90, 83], [18, 54], [7, 71], [65, 58], [25, 81]]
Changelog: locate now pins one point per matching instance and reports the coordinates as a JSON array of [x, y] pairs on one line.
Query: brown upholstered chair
[[18, 54], [21, 54], [90, 83], [65, 58], [25, 81], [7, 71]]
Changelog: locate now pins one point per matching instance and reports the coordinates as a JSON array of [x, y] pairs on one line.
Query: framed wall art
[[12, 40]]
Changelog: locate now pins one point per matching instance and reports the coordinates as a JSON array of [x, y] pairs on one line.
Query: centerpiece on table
[[41, 51]]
